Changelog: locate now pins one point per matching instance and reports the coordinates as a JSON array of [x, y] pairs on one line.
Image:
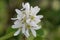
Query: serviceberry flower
[[27, 20]]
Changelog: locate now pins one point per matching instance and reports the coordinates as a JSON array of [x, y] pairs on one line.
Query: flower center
[[27, 26], [32, 17]]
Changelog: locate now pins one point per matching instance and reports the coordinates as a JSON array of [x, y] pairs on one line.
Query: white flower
[[27, 19]]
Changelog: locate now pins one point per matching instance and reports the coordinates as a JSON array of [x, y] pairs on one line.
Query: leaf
[[39, 35], [38, 38], [31, 37], [9, 29], [7, 36], [40, 32], [10, 33]]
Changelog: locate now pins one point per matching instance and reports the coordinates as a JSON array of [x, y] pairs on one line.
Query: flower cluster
[[27, 20]]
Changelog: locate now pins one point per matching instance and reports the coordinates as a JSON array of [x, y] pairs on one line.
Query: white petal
[[35, 10], [15, 26], [23, 5], [18, 11], [23, 28], [16, 22], [32, 23], [27, 33], [26, 6], [37, 20], [36, 27], [33, 32], [39, 16], [13, 18], [20, 17], [32, 11], [18, 25], [17, 32], [20, 14], [28, 20]]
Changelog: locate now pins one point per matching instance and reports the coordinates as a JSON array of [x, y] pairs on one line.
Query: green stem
[[7, 36]]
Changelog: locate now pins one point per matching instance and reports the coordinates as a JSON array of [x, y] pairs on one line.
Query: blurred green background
[[50, 9]]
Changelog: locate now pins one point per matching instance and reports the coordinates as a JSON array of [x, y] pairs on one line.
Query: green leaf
[[31, 37], [40, 32], [10, 33], [38, 38], [9, 29], [7, 36]]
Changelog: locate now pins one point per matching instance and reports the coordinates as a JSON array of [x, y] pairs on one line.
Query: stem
[[7, 36], [24, 38], [21, 37]]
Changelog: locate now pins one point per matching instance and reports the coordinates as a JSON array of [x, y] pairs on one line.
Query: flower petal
[[23, 28], [35, 10], [18, 11], [39, 16], [37, 20], [33, 32], [27, 33], [36, 27], [23, 5], [20, 17], [32, 23], [17, 32], [13, 18], [28, 20], [26, 6], [17, 24]]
